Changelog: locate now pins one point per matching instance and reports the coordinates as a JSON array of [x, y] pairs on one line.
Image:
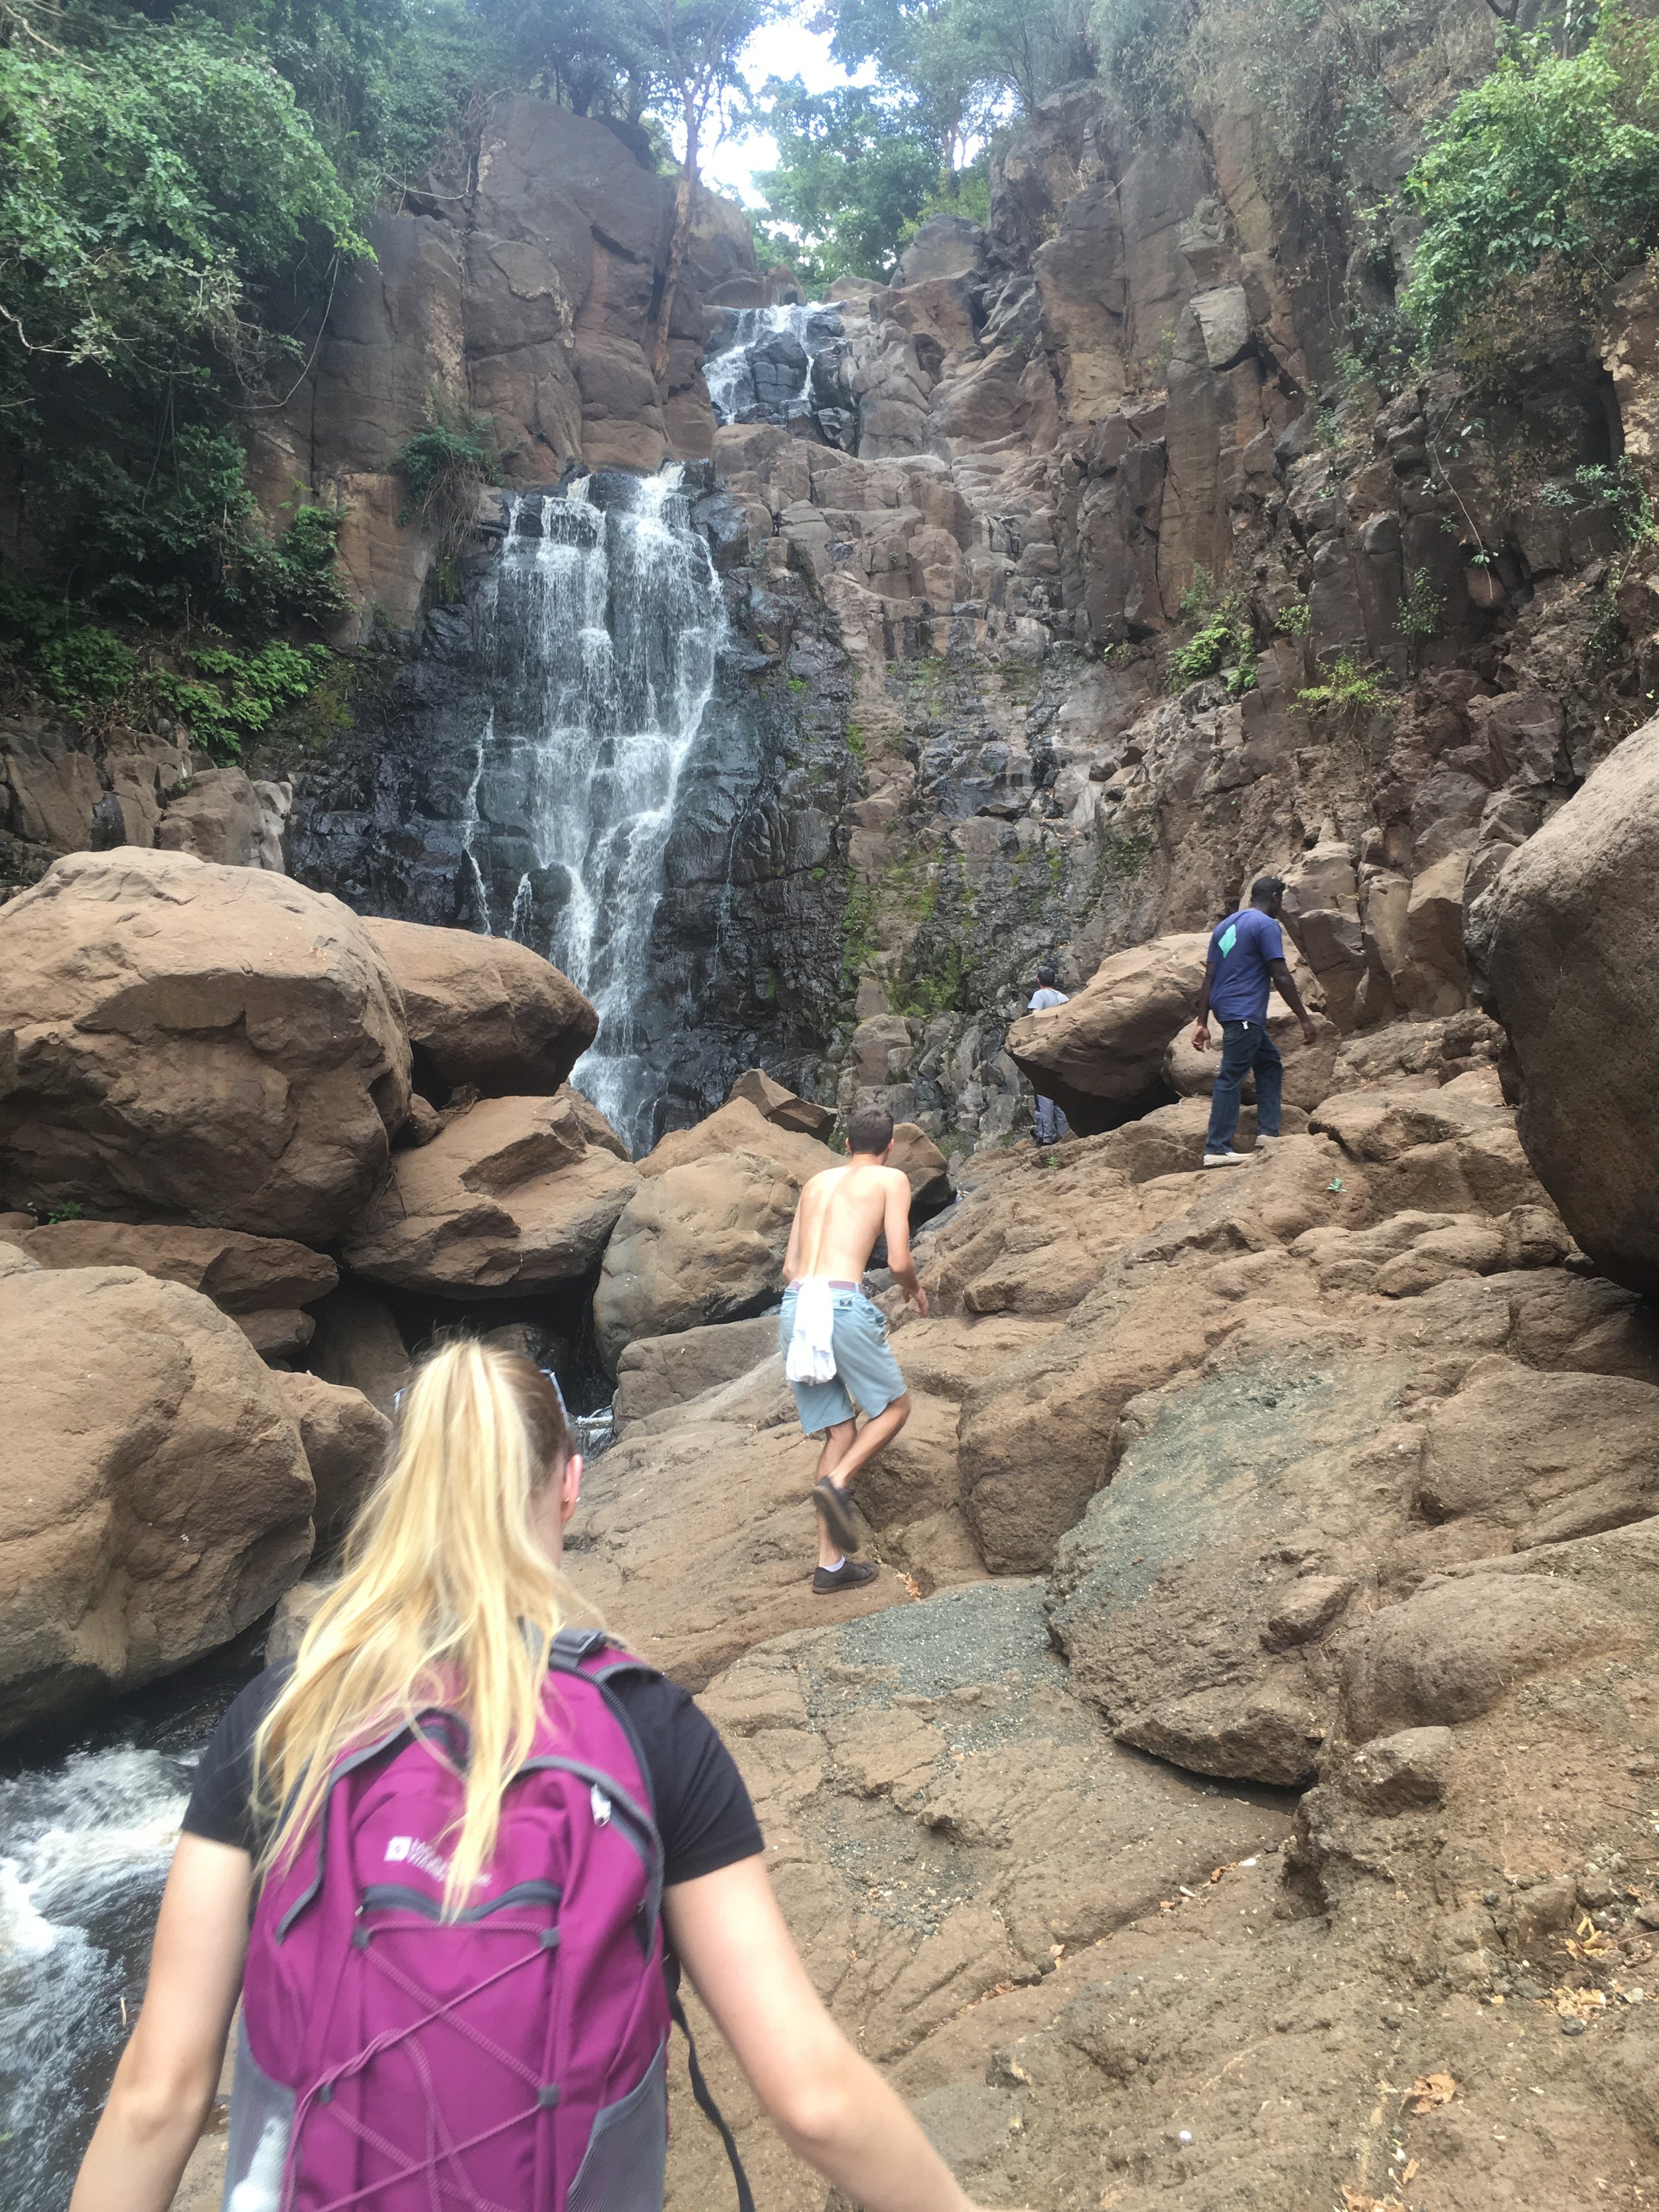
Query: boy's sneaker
[[1225, 1159], [851, 1574]]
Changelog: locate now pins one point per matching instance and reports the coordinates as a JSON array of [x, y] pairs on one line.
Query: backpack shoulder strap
[[700, 2088], [590, 1651], [592, 1654], [572, 1646]]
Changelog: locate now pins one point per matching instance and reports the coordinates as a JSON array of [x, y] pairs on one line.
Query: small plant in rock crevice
[[1621, 488], [1422, 610], [1225, 641], [1347, 694], [230, 697], [442, 467]]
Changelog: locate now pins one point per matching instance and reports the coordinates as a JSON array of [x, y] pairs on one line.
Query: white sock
[[836, 1565]]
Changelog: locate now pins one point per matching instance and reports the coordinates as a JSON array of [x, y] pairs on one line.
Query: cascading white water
[[729, 373], [762, 367], [84, 1848], [608, 619]]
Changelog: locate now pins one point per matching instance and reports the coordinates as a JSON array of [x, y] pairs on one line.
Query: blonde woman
[[467, 1831]]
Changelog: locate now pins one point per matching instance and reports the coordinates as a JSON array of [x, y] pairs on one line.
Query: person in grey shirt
[[1051, 1124]]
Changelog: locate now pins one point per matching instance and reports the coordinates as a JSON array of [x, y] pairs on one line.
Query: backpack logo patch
[[418, 1854]]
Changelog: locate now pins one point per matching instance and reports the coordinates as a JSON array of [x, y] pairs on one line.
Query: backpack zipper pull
[[601, 1805]]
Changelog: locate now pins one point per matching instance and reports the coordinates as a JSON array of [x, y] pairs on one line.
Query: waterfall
[[586, 755], [607, 619], [781, 365]]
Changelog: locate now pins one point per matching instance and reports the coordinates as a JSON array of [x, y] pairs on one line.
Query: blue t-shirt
[[1240, 949]]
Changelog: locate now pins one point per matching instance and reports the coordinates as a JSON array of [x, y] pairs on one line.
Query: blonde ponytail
[[448, 1597]]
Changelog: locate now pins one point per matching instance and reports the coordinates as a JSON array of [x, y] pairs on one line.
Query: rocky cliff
[[1236, 1787], [528, 298]]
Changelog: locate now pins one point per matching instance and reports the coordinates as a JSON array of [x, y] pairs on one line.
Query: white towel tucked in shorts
[[811, 1357]]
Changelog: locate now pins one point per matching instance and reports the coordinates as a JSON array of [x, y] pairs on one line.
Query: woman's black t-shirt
[[703, 1812]]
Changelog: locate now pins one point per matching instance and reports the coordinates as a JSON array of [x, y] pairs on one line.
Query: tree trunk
[[678, 244]]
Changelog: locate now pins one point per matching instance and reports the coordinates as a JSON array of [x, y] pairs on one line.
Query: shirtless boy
[[841, 1214]]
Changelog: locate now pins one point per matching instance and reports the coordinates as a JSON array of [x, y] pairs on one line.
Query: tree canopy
[[851, 178]]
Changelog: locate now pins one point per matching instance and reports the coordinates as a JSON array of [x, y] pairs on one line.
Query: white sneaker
[[1225, 1159], [1277, 1138]]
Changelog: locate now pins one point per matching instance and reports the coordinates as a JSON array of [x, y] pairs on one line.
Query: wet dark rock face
[[787, 365], [421, 814]]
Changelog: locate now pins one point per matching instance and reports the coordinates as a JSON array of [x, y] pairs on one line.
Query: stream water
[[86, 1835], [765, 366]]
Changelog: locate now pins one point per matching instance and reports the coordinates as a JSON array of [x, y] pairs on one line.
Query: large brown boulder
[[1564, 940], [483, 1011], [358, 1343], [701, 1242], [1309, 1069], [740, 1127], [512, 1195], [155, 1497], [214, 1044], [782, 1106], [657, 1372], [345, 1439], [918, 1157], [1101, 1055], [262, 1282]]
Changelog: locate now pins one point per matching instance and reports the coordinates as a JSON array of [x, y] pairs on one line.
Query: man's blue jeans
[[1245, 1045], [1051, 1123]]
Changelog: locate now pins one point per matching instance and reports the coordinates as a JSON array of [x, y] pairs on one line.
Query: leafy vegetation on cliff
[[1554, 158], [180, 191]]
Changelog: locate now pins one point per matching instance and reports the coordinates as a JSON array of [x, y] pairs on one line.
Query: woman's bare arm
[[831, 2106], [169, 2070]]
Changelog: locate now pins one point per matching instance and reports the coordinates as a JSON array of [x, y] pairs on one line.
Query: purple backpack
[[513, 2060]]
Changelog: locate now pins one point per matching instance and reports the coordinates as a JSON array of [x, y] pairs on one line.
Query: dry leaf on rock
[[1432, 2090]]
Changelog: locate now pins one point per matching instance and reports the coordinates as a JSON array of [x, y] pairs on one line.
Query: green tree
[[134, 229], [854, 174], [696, 49], [962, 66], [929, 57], [1555, 156], [593, 56]]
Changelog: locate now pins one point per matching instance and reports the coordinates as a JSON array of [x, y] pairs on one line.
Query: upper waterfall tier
[[608, 619], [784, 364]]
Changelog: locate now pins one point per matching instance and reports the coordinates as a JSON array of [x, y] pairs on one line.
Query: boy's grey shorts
[[866, 1370]]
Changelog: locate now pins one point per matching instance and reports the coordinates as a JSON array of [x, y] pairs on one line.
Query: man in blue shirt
[[1246, 963]]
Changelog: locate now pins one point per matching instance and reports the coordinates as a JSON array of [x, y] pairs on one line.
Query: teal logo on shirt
[[1229, 940]]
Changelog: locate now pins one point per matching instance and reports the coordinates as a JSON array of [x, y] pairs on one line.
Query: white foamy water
[[84, 1849], [607, 620], [728, 373]]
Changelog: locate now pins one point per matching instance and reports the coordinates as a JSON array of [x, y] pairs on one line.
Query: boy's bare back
[[841, 1214]]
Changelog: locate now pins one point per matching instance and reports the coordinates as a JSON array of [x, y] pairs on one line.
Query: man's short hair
[[1046, 977], [1266, 889], [869, 1129]]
